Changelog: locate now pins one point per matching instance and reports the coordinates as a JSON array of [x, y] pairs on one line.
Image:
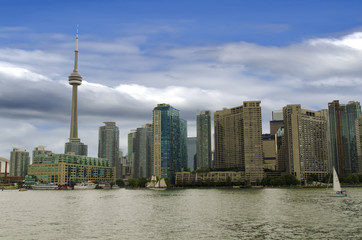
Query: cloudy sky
[[199, 54]]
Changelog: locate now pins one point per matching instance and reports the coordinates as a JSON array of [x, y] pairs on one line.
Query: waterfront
[[181, 214]]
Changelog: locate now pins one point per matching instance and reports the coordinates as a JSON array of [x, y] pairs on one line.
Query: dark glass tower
[[167, 156]]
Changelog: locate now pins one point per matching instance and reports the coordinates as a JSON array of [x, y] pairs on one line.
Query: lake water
[[181, 214]]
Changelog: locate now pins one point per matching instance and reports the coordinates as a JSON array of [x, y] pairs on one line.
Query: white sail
[[157, 184], [163, 183], [153, 178], [336, 184]]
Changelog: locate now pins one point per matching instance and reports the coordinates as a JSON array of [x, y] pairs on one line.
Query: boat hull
[[45, 187], [157, 189], [337, 194], [88, 185]]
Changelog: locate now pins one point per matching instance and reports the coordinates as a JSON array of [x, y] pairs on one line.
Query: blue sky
[[192, 54]]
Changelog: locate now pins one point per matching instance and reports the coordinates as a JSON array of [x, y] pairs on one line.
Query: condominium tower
[[108, 143], [343, 138], [305, 133], [142, 148], [167, 156], [238, 140], [203, 149], [19, 162]]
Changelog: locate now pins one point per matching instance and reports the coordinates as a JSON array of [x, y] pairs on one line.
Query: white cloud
[[6, 70]]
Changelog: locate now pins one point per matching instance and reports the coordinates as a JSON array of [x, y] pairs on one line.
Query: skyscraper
[[183, 143], [143, 152], [191, 153], [276, 122], [203, 128], [131, 151], [166, 151], [343, 138], [108, 143], [19, 162], [75, 79], [238, 140], [305, 133]]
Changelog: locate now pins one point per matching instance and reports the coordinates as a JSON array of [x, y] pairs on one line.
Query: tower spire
[[76, 52]]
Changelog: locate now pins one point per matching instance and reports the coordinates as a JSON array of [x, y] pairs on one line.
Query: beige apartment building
[[238, 140], [305, 133]]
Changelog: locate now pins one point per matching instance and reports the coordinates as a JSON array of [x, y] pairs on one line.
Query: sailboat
[[338, 192], [157, 185]]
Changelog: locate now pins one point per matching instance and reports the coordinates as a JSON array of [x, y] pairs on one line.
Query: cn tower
[[74, 145]]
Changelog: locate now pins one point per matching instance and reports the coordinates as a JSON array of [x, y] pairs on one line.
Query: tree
[[133, 182], [142, 182], [351, 179], [167, 181], [120, 182]]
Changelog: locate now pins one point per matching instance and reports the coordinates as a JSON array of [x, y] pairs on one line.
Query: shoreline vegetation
[[284, 181]]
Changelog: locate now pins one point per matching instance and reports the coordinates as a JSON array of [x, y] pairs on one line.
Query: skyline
[[133, 56]]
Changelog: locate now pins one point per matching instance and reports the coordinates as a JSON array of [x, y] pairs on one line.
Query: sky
[[200, 54]]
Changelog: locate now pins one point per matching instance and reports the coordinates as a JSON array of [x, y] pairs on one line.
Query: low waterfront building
[[212, 176], [64, 169]]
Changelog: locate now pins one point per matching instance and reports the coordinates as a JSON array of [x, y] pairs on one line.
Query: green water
[[181, 214]]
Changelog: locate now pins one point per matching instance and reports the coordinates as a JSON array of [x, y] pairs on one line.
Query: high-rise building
[[353, 110], [282, 163], [167, 142], [305, 133], [269, 152], [183, 143], [276, 122], [142, 152], [19, 162], [343, 138], [131, 152], [108, 143], [40, 150], [191, 153], [238, 140], [359, 142], [75, 79], [203, 128]]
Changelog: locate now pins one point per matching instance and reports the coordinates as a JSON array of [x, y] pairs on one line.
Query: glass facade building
[[343, 138], [168, 143]]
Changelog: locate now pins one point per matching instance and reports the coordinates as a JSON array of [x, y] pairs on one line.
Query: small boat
[[104, 185], [45, 186], [23, 189], [338, 192], [85, 185]]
